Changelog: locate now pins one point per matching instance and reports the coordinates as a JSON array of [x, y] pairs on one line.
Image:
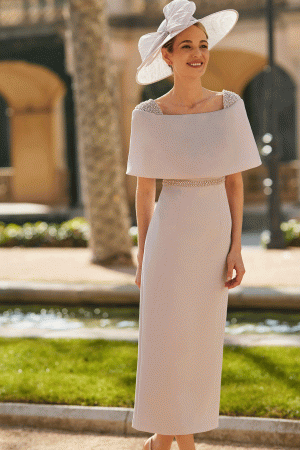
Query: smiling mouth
[[195, 64]]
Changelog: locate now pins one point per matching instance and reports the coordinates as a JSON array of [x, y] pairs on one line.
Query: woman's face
[[185, 53]]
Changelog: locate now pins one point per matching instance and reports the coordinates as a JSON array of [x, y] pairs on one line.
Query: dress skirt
[[183, 309]]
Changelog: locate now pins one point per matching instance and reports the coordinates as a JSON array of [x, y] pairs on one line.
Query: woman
[[197, 141]]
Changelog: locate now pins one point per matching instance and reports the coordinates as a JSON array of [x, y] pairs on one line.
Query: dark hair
[[169, 45]]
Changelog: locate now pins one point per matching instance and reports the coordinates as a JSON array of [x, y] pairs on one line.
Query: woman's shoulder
[[229, 97], [149, 106]]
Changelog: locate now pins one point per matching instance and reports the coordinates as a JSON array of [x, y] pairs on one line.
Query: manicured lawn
[[256, 381], [261, 382]]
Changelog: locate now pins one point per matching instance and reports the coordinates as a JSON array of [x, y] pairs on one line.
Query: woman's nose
[[198, 53]]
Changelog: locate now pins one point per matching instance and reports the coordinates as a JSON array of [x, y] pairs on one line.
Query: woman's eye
[[205, 46]]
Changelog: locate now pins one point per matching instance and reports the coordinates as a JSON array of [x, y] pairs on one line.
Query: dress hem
[[151, 430]]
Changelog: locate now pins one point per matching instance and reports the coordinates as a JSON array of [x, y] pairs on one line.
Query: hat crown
[[178, 14]]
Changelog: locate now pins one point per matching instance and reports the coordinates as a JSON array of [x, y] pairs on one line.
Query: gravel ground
[[27, 438]]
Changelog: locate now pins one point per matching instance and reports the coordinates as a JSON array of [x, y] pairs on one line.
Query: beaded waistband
[[204, 182]]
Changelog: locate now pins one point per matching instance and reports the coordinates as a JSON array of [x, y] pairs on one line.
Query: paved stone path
[[27, 438], [268, 268]]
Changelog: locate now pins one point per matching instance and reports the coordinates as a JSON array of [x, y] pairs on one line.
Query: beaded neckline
[[197, 114], [192, 114]]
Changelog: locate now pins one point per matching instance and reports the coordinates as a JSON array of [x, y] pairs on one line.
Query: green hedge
[[76, 233], [72, 233]]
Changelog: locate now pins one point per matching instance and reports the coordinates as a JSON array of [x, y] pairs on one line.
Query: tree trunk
[[102, 172]]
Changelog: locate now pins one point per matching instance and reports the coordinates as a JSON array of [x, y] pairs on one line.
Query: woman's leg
[[185, 441], [160, 442]]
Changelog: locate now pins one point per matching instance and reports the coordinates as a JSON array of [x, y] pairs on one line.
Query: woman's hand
[[234, 261]]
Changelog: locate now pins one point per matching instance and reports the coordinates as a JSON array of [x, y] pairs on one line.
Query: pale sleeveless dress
[[183, 305]]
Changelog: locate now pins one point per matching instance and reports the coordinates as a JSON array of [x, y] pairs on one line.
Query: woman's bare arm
[[144, 205], [235, 194]]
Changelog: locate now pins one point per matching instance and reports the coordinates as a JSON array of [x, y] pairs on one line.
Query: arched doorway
[[256, 96], [156, 90], [33, 133]]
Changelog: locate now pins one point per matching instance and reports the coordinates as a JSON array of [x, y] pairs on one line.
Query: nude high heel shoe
[[149, 443]]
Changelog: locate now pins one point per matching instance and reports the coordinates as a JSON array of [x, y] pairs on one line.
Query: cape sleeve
[[136, 163], [243, 151], [192, 146]]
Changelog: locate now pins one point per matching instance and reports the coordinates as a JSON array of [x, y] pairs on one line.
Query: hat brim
[[217, 25]]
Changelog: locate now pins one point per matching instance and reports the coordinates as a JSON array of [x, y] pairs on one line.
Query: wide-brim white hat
[[178, 17]]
